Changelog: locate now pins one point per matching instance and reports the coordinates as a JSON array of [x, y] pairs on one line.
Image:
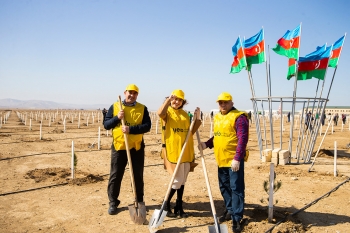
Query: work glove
[[235, 165], [203, 145]]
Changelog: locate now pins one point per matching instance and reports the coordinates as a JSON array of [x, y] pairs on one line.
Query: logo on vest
[[217, 134], [220, 134], [126, 123], [179, 130], [135, 115]]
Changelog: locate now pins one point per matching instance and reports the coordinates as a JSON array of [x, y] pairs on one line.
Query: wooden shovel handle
[[129, 156], [179, 160]]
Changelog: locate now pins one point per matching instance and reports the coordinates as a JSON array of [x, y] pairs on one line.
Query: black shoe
[[178, 210], [169, 213], [224, 217], [236, 227], [112, 210]]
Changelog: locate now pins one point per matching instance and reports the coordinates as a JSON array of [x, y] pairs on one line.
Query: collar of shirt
[[130, 105]]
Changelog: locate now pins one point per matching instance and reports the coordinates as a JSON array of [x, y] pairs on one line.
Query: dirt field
[[37, 193]]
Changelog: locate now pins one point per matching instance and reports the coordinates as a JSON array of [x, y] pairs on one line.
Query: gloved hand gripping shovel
[[137, 210], [159, 215], [217, 228]]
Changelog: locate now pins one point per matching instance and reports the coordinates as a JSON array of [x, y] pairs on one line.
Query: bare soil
[[38, 194]]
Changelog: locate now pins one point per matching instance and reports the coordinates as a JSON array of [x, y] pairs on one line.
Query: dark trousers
[[308, 126], [232, 190], [119, 160]]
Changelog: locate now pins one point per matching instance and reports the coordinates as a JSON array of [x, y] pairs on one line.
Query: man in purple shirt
[[231, 129]]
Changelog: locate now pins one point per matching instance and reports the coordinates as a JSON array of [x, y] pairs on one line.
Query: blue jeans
[[232, 190]]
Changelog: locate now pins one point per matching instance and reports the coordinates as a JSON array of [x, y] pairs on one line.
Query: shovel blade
[[138, 215], [221, 229], [156, 220]]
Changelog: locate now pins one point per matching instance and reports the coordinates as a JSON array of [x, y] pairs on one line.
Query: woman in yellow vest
[[176, 123]]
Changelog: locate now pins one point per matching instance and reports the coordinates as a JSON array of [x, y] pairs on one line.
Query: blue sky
[[86, 52]]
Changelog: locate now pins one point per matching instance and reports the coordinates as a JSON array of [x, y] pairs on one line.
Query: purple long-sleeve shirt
[[242, 130]]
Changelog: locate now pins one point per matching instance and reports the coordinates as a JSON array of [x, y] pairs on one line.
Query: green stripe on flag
[[290, 53], [304, 75], [333, 62], [259, 58], [239, 67], [291, 71]]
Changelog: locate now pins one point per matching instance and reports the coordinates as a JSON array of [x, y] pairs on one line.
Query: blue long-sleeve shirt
[[242, 130], [111, 122]]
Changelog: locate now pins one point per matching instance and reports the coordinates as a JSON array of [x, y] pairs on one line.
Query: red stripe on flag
[[255, 50], [287, 44], [296, 42], [313, 65], [336, 52], [240, 54], [238, 57], [291, 61]]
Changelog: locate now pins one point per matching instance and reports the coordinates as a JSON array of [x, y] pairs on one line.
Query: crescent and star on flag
[[317, 64], [258, 48], [291, 42]]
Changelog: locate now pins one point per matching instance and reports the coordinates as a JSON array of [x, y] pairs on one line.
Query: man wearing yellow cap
[[176, 124], [137, 122], [231, 129]]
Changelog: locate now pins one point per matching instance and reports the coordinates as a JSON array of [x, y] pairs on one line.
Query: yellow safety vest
[[176, 129], [225, 137], [133, 115]]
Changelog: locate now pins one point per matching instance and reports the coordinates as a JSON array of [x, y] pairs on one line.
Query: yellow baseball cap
[[225, 96], [132, 87], [179, 94]]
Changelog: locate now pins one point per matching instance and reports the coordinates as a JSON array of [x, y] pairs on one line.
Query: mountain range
[[41, 104]]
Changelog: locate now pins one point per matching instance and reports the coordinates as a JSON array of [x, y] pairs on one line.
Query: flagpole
[[269, 94], [281, 127], [329, 90], [310, 126], [268, 82], [316, 133], [301, 133], [310, 132], [290, 149], [263, 116], [255, 107], [307, 129]]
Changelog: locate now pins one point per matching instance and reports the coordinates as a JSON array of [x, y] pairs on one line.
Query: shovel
[[137, 210], [217, 228], [159, 215]]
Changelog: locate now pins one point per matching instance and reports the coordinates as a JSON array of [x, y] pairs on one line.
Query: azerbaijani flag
[[289, 44], [337, 47], [254, 49], [239, 61], [314, 64], [291, 68]]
